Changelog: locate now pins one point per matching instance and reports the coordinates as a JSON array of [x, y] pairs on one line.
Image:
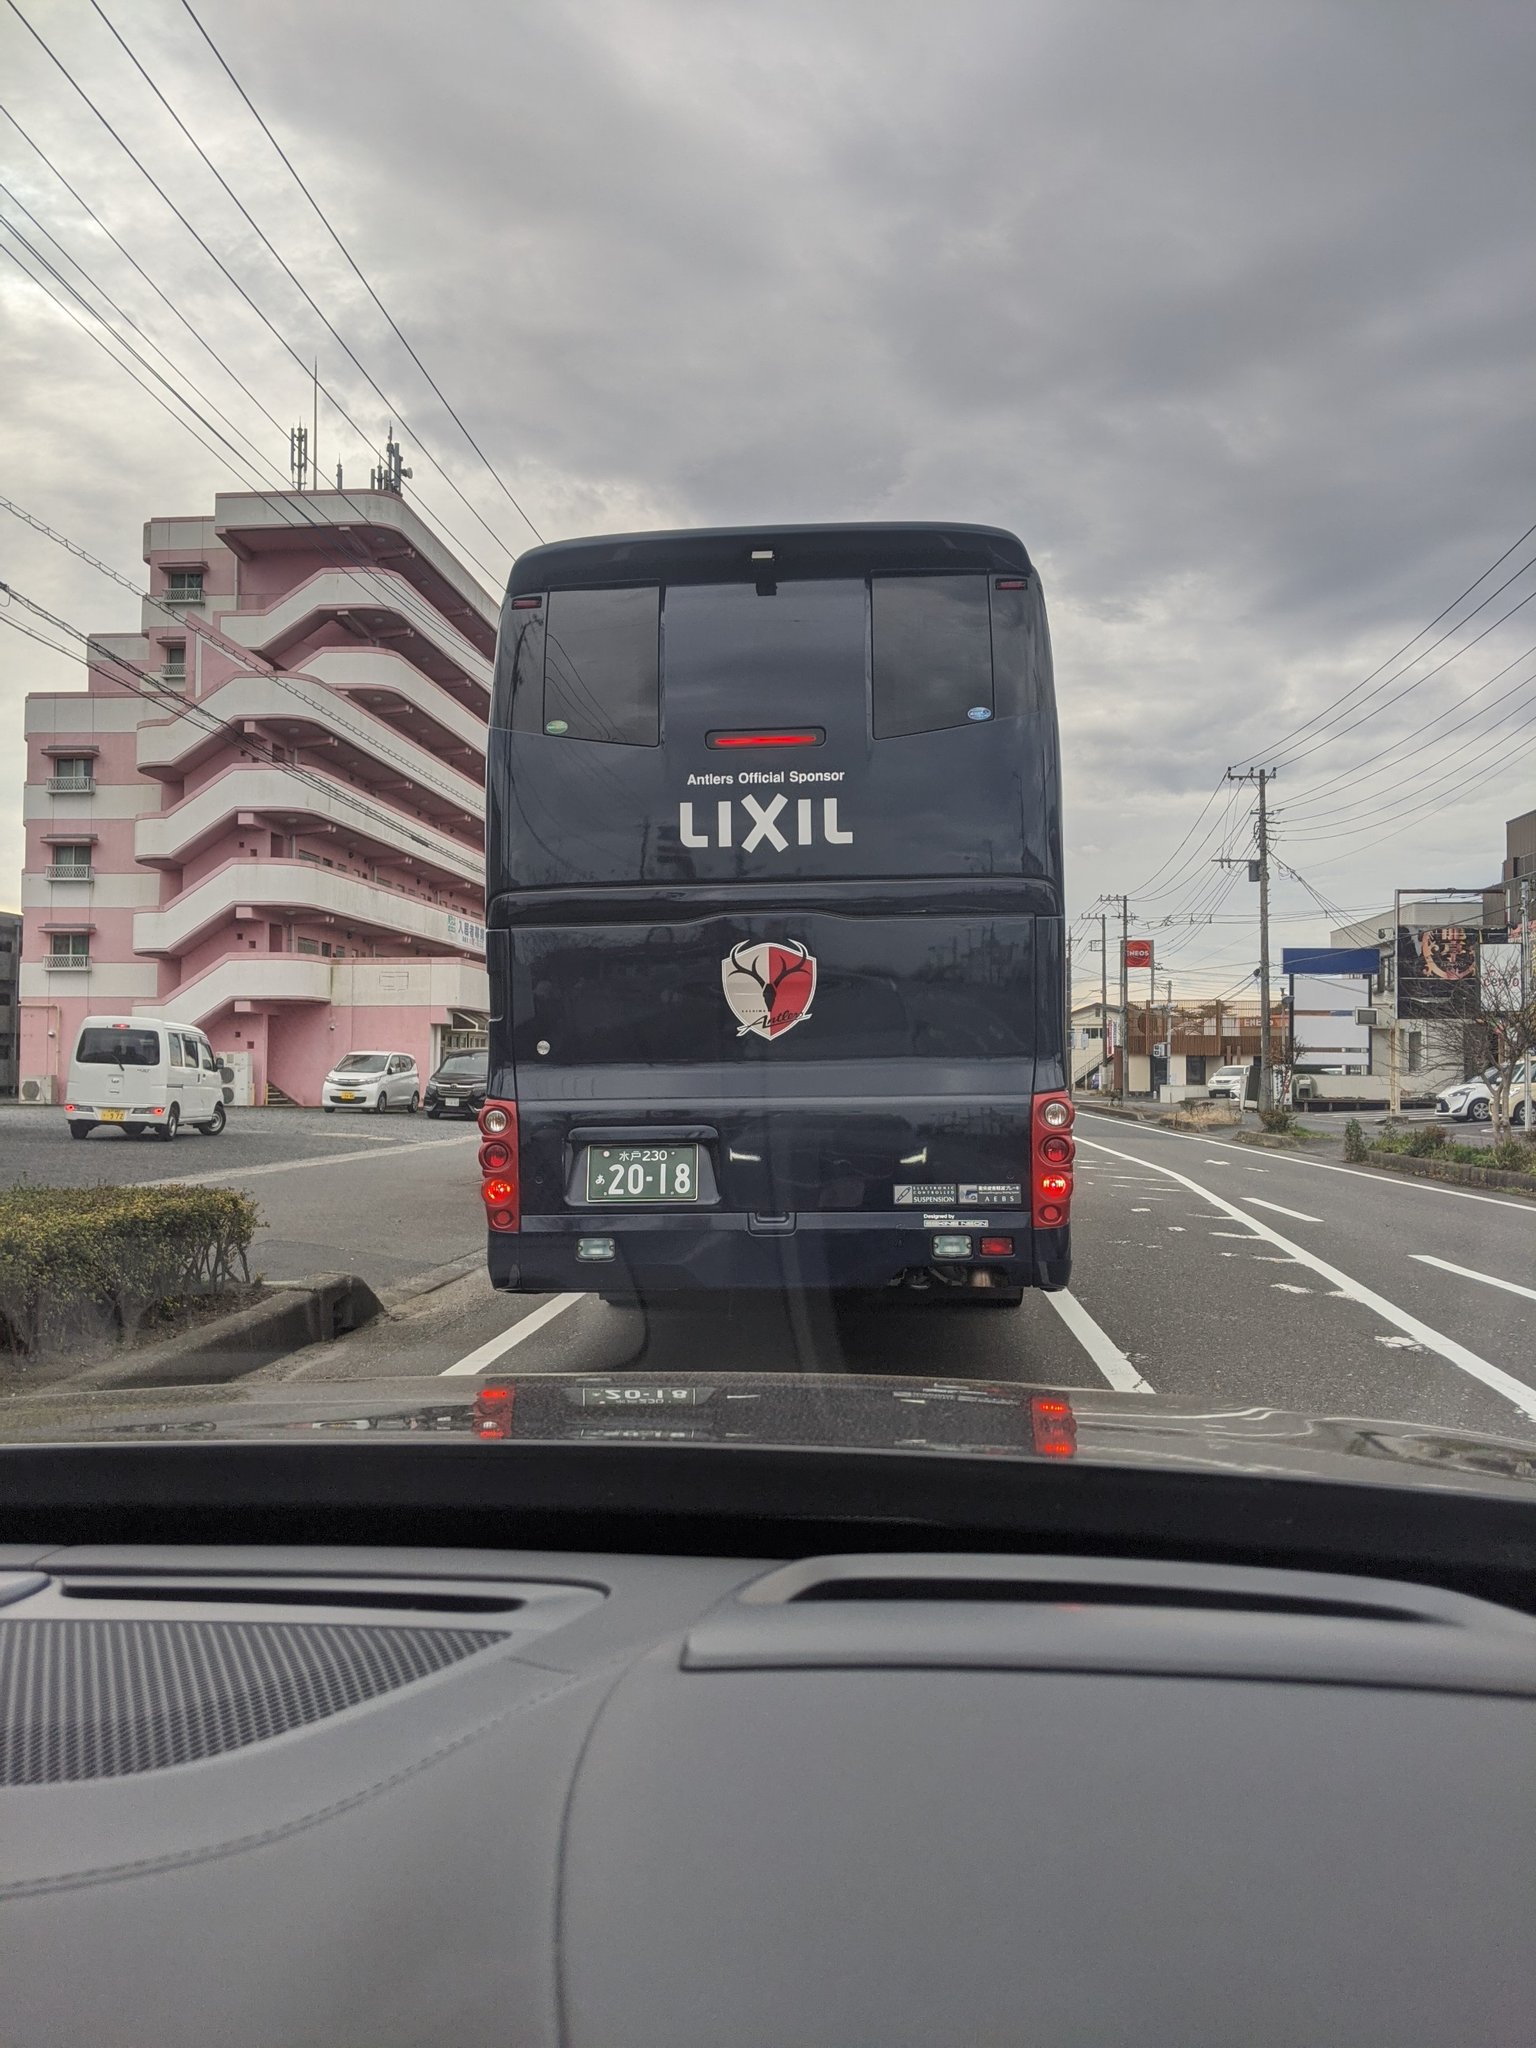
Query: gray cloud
[[1225, 309]]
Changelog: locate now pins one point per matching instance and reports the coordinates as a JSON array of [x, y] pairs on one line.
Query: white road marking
[[1280, 1210], [1423, 1187], [236, 1176], [1471, 1273], [1516, 1391], [1289, 1287], [498, 1347], [1246, 1234], [1400, 1343], [1102, 1349]]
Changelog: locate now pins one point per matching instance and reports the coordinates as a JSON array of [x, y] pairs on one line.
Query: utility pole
[[1525, 1003], [1104, 1073], [1125, 999], [1258, 871]]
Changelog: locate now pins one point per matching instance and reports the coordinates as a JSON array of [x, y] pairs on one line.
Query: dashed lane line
[[1516, 1391], [1100, 1347], [498, 1347], [1301, 1216], [1471, 1273]]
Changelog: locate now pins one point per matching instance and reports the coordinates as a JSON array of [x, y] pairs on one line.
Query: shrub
[[1278, 1121], [1427, 1142], [1514, 1155], [1354, 1141], [74, 1257]]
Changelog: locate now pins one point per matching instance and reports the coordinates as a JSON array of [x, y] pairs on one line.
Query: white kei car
[[373, 1080]]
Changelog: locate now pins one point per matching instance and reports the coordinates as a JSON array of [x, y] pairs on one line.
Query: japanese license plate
[[348, 1095], [642, 1173], [112, 1116]]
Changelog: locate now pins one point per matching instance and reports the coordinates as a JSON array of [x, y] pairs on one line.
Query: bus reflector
[[1051, 1174], [1053, 1426], [997, 1247], [526, 604], [1011, 582], [805, 736], [499, 1189]]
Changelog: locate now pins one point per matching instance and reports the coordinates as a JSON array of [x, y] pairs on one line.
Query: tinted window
[[104, 1047], [360, 1063], [602, 665], [932, 652], [464, 1066]]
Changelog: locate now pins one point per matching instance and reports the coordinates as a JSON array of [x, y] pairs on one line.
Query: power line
[[295, 280], [219, 263], [128, 256], [1284, 742], [357, 271], [153, 692]]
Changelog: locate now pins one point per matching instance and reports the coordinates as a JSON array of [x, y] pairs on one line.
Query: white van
[[143, 1075]]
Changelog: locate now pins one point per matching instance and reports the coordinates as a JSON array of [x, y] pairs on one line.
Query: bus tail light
[[1053, 1426], [500, 1188], [492, 1413], [1051, 1164]]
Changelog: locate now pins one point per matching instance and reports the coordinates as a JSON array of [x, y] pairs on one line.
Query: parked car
[[1472, 1101], [1230, 1082], [373, 1080], [145, 1076], [458, 1087]]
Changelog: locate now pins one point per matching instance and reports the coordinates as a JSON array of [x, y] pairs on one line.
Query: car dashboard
[[297, 1793]]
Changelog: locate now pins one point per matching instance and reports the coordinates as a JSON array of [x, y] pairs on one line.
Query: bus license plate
[[642, 1173]]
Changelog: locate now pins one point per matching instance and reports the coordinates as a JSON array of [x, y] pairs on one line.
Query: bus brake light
[[500, 1188], [1053, 1426], [1051, 1173], [804, 736]]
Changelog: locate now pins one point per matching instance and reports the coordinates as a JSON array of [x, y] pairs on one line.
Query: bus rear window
[[602, 673], [932, 652]]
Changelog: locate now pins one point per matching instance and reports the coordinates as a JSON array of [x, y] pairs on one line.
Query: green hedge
[[74, 1259]]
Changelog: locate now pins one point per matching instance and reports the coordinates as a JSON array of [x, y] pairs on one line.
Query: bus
[[774, 919]]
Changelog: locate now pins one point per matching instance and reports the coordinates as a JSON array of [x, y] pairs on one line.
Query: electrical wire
[[225, 271], [297, 282], [357, 271]]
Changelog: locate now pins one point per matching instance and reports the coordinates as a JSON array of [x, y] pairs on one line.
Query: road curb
[[316, 1309], [407, 1291], [1454, 1172]]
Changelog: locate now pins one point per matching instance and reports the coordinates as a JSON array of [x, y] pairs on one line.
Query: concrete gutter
[[315, 1310]]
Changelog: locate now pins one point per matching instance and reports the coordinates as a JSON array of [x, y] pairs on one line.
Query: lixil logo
[[744, 822]]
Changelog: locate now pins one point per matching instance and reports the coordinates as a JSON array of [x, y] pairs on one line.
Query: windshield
[[893, 667]]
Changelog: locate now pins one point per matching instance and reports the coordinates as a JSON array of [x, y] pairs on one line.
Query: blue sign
[[1337, 961]]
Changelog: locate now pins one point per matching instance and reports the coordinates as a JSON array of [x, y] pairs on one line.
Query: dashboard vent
[[110, 1699]]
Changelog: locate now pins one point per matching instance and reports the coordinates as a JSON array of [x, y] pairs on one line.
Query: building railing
[[72, 785], [71, 874], [60, 963]]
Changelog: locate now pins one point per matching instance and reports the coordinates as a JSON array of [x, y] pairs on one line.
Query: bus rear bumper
[[814, 1254]]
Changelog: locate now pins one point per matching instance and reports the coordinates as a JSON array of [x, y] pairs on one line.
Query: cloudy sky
[[1226, 309]]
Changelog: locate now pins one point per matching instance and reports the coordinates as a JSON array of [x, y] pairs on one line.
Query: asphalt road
[[389, 1197], [1204, 1269]]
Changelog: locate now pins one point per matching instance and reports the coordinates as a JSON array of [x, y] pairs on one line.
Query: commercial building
[[279, 836]]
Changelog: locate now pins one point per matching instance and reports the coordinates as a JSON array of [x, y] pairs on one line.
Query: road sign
[[1138, 952]]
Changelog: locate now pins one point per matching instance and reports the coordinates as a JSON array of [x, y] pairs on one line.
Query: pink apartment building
[[280, 838]]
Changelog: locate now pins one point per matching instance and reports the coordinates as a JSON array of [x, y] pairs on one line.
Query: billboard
[[1437, 969], [1138, 952], [1323, 1027]]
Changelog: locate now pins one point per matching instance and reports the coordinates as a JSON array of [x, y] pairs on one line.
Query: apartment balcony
[[71, 785], [282, 890], [70, 874], [67, 963]]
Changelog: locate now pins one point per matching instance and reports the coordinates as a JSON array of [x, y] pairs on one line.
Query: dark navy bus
[[774, 918]]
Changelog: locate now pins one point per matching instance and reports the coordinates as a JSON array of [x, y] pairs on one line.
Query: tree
[[1506, 1008]]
